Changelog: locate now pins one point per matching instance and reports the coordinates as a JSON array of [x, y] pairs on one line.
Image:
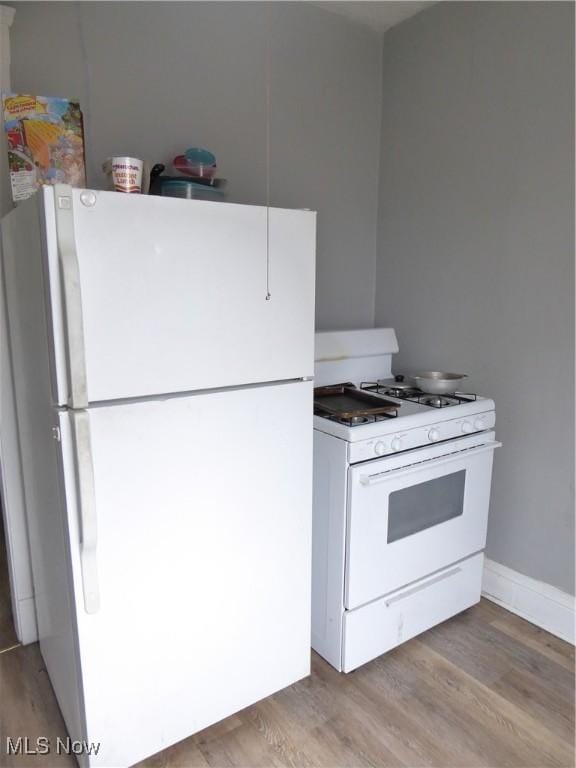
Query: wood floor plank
[[323, 704], [285, 738], [340, 746], [254, 751], [397, 716], [526, 633], [539, 701], [28, 707], [217, 753], [185, 754], [508, 728], [308, 702], [538, 641], [438, 716], [218, 730], [526, 679], [242, 746], [488, 653]]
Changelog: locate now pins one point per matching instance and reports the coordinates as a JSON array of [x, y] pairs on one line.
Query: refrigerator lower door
[[152, 295], [201, 537]]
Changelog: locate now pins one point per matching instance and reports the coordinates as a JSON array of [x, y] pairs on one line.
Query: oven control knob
[[479, 423], [380, 448], [467, 427], [396, 444], [433, 435]]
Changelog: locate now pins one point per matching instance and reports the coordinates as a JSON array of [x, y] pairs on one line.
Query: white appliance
[[400, 501], [162, 356]]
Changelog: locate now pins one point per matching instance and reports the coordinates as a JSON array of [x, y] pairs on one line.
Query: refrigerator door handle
[[87, 509], [72, 297]]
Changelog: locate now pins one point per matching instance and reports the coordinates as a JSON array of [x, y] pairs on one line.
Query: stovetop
[[412, 409], [374, 401]]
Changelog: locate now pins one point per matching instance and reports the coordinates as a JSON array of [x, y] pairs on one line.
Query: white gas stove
[[415, 423], [401, 493]]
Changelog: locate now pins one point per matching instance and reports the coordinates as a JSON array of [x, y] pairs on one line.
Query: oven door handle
[[392, 474]]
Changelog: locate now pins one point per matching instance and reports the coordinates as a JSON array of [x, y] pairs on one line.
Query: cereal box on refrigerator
[[45, 142]]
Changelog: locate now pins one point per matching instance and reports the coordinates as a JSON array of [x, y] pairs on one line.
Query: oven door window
[[421, 506]]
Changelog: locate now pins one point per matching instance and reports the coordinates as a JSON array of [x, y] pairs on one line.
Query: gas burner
[[349, 420], [402, 391], [435, 401], [442, 401], [355, 420], [391, 388]]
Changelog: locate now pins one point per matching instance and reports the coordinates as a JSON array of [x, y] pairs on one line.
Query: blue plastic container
[[190, 190], [197, 156]]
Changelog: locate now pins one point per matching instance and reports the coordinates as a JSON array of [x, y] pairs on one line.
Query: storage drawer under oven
[[406, 522], [374, 629]]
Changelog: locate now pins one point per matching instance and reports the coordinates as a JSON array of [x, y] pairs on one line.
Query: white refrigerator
[[162, 361]]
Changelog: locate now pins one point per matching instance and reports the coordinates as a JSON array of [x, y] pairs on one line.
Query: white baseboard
[[537, 602], [26, 628]]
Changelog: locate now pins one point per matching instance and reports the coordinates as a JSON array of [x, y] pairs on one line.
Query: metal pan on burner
[[438, 382]]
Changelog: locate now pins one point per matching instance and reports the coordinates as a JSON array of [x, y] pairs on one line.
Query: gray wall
[[155, 78], [476, 249]]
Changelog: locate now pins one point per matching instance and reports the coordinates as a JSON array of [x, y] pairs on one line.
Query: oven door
[[413, 514]]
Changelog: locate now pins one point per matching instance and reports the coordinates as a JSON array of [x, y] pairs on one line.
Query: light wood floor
[[484, 689]]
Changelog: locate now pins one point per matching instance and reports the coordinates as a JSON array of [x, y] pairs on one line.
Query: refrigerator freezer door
[[173, 293], [203, 508]]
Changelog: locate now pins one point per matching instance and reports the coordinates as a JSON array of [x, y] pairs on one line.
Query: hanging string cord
[[268, 91], [86, 106]]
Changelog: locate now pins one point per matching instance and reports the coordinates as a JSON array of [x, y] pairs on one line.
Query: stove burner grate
[[355, 421], [436, 401], [415, 395]]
